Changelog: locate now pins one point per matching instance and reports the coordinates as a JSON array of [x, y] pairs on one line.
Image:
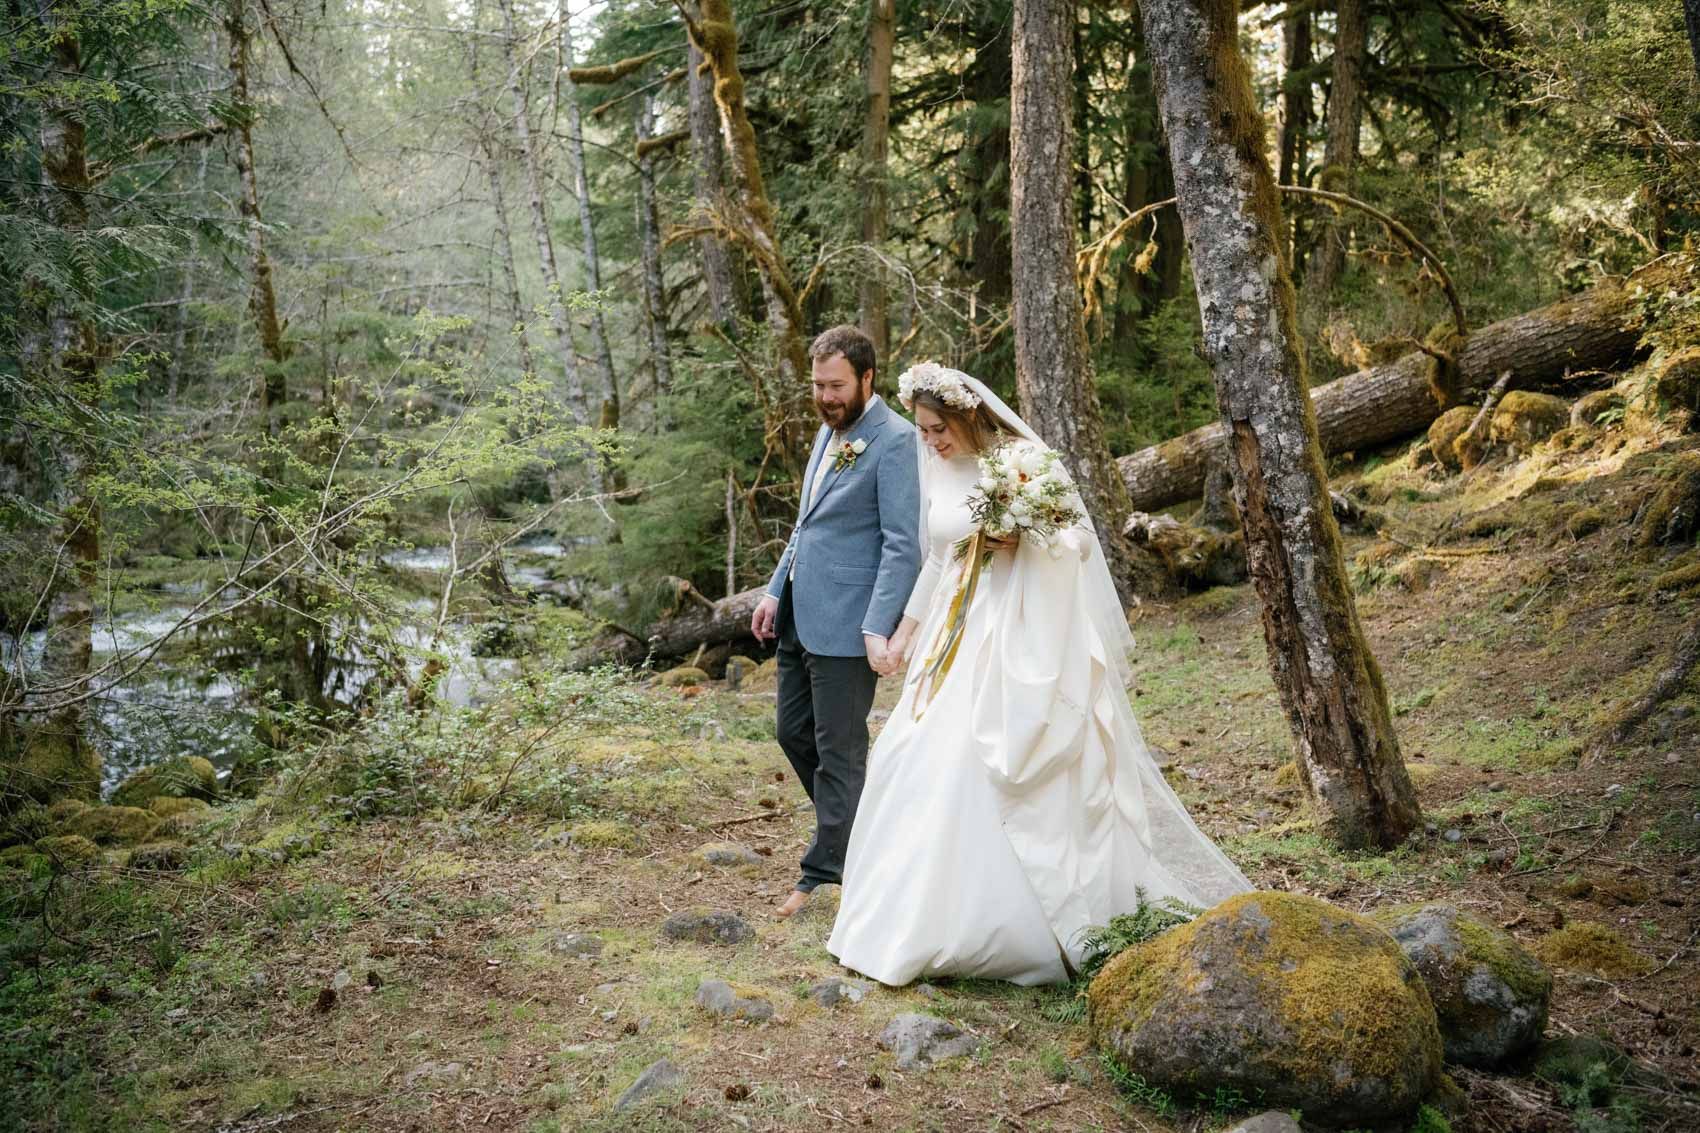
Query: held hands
[[766, 613], [879, 654]]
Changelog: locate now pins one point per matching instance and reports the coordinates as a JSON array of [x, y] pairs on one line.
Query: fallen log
[[711, 623], [1599, 329]]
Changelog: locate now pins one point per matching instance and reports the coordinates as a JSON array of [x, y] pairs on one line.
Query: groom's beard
[[840, 417]]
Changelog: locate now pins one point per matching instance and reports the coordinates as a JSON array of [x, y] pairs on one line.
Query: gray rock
[[717, 998], [727, 853], [1271, 1121], [580, 944], [921, 1040], [705, 927], [657, 1076], [832, 992], [737, 668], [434, 1072], [1490, 995], [1279, 996]]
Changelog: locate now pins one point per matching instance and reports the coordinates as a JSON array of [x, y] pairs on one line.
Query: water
[[169, 710]]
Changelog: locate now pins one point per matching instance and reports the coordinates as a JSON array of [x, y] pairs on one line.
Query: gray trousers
[[823, 730]]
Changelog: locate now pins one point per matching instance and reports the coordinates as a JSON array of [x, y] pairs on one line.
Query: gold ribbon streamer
[[948, 639]]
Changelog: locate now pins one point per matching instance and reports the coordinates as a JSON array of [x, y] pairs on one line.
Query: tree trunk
[[1146, 179], [505, 250], [1330, 685], [710, 182], [262, 299], [1295, 111], [72, 356], [716, 35], [504, 228], [1599, 329], [649, 229], [986, 164], [695, 624], [1340, 159], [1053, 366], [876, 132], [578, 404], [1691, 14], [581, 189]]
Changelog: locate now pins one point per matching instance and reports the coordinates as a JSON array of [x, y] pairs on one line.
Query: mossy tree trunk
[[1295, 111], [262, 296], [70, 361], [756, 226], [709, 182], [876, 134], [1691, 15], [1330, 685], [1340, 158]]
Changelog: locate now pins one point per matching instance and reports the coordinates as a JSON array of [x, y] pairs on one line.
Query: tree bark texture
[[1340, 157], [1330, 685], [262, 297], [876, 135], [985, 170], [1691, 15], [578, 403], [1598, 329], [709, 174], [581, 189], [676, 636], [649, 230], [1053, 366], [505, 252]]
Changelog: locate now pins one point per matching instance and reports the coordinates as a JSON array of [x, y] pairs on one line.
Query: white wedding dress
[[1022, 807]]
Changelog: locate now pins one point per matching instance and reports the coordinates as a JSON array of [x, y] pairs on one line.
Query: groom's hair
[[850, 341]]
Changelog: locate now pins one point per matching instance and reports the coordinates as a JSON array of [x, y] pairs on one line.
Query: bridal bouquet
[[1023, 492]]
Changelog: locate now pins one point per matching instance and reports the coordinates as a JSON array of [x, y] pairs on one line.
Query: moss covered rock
[[1677, 384], [169, 806], [738, 669], [1489, 994], [682, 676], [158, 856], [1672, 519], [186, 777], [1282, 997], [1589, 408], [113, 825], [18, 857], [54, 762], [764, 679], [1524, 418], [68, 850], [1444, 432]]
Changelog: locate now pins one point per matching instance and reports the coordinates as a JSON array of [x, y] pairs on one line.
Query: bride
[[1010, 801]]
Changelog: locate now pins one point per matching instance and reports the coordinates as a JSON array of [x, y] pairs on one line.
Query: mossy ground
[[189, 999]]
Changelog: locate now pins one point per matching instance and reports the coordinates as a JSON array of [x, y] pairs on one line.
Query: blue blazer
[[856, 552]]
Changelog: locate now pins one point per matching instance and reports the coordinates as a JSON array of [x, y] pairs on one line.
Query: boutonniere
[[849, 454]]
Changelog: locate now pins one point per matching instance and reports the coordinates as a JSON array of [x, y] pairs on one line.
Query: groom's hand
[[879, 656], [761, 622]]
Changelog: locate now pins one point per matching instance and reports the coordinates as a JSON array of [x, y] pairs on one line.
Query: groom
[[839, 591]]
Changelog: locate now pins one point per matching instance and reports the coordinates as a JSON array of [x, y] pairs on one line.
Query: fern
[[1103, 943]]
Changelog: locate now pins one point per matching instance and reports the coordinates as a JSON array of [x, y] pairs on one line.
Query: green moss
[[603, 834], [113, 825], [68, 849], [1586, 946], [170, 806], [1585, 521], [1444, 431], [55, 762], [1211, 603], [187, 776], [683, 676], [1679, 579]]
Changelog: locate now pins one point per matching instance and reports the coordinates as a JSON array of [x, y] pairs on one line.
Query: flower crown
[[943, 383]]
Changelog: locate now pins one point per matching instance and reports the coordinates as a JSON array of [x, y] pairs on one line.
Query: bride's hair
[[977, 425]]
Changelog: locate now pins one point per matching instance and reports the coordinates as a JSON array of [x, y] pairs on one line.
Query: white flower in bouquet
[[1023, 490]]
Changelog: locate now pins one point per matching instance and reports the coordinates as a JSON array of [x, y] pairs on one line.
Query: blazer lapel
[[873, 418]]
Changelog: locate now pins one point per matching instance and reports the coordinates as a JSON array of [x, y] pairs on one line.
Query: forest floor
[[411, 971]]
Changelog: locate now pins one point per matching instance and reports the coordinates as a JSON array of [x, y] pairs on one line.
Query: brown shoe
[[793, 904]]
